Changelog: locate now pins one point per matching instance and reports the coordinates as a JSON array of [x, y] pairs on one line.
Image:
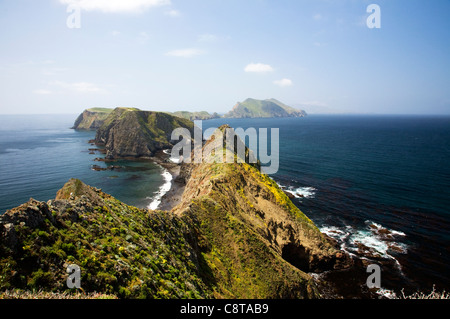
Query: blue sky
[[169, 55]]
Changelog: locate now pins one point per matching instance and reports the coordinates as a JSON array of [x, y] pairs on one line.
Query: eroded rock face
[[31, 214], [135, 133]]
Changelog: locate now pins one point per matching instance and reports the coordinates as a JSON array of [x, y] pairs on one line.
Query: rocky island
[[252, 108]]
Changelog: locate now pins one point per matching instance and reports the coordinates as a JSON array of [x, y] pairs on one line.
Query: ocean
[[40, 153], [379, 185]]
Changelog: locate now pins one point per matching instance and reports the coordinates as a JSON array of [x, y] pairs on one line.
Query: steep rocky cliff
[[130, 132], [91, 119], [235, 234]]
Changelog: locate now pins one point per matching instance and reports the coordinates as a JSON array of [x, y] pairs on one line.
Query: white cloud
[[185, 53], [319, 44], [53, 71], [173, 13], [116, 5], [283, 83], [207, 38], [80, 87], [115, 33], [42, 92], [317, 17], [143, 37], [258, 68]]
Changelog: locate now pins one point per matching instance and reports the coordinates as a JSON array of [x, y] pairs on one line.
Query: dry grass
[[421, 295], [21, 294]]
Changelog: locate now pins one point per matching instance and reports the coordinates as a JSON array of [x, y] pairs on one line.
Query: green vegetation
[[122, 251], [100, 110]]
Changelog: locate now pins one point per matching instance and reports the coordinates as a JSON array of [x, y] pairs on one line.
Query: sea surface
[[40, 153], [379, 185]]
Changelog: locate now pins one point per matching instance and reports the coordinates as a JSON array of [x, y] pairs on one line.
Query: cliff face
[[235, 234], [252, 108], [91, 119], [131, 132]]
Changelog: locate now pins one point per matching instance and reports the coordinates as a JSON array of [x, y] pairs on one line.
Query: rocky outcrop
[[130, 132], [91, 119], [252, 108]]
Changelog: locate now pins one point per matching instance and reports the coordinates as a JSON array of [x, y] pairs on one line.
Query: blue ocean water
[[378, 184], [40, 153]]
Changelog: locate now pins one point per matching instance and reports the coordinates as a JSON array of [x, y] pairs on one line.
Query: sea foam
[[299, 192], [162, 190]]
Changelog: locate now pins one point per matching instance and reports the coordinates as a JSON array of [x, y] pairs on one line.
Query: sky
[[63, 56]]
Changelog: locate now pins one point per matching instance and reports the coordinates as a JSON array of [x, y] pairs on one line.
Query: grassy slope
[[121, 250]]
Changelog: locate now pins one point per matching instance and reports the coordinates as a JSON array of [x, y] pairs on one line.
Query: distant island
[[93, 118], [252, 108]]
